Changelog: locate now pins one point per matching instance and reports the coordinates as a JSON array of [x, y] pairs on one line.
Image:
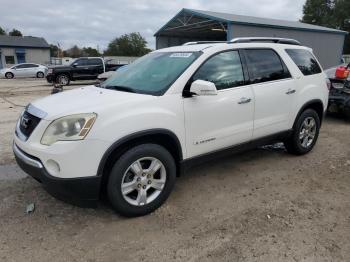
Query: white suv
[[131, 136]]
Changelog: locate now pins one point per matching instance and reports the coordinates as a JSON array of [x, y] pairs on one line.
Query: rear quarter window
[[305, 61]]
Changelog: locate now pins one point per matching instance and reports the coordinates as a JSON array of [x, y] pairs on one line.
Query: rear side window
[[94, 61], [223, 69], [31, 65], [265, 65], [305, 60]]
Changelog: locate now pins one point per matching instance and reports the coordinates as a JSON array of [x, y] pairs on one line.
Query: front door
[[274, 91], [80, 69], [225, 119]]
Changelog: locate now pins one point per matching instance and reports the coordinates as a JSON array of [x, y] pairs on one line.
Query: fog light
[[52, 167]]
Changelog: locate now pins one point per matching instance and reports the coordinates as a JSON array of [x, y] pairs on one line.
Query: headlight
[[49, 71], [68, 128]]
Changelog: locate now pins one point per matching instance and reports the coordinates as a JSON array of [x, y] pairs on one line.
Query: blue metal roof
[[250, 20]]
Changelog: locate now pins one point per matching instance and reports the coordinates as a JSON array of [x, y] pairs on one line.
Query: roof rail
[[204, 42], [276, 40]]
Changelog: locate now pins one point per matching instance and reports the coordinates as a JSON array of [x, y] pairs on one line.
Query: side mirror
[[203, 88], [75, 64]]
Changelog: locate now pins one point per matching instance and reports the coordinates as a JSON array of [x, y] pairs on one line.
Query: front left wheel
[[9, 75], [141, 180]]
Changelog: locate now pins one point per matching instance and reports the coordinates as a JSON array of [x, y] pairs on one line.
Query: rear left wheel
[[40, 75], [305, 134], [141, 180]]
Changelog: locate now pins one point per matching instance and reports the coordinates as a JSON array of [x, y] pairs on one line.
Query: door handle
[[290, 91], [244, 100]]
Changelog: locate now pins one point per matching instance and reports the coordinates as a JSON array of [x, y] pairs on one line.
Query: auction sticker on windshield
[[181, 55]]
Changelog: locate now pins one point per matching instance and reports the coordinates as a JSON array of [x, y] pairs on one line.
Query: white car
[[24, 70], [170, 109], [104, 76]]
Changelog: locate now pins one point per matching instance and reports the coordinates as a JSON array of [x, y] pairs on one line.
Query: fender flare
[[306, 105], [136, 135]]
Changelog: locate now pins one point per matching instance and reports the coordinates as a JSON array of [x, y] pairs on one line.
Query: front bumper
[[82, 192], [50, 78]]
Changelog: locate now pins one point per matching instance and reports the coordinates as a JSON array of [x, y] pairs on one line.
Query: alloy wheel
[[307, 132], [63, 80], [143, 181]]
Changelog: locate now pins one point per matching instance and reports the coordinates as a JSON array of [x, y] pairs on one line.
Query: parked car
[[339, 95], [24, 70], [85, 68], [169, 110], [104, 76]]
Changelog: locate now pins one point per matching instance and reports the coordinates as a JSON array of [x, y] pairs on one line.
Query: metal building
[[23, 49], [196, 25]]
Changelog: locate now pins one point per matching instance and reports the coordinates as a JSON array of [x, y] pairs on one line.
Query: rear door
[[95, 67], [222, 120], [274, 90], [31, 70]]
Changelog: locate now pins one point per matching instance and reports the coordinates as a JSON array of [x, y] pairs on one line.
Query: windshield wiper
[[121, 88]]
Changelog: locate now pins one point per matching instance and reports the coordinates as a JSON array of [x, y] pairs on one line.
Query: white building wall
[[32, 55], [37, 56]]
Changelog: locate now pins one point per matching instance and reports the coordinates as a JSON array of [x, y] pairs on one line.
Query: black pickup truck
[[85, 68]]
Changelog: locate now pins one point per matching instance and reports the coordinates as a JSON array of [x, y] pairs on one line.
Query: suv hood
[[87, 99]]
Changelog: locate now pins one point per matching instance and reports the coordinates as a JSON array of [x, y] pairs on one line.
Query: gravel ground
[[264, 205]]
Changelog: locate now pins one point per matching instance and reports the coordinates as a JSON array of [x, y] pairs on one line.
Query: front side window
[[151, 74], [22, 66], [265, 65], [80, 62], [305, 61], [224, 70]]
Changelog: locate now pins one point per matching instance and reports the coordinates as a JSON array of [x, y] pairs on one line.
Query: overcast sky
[[96, 22]]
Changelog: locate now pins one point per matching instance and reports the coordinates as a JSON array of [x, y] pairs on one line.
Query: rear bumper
[[342, 100], [82, 192]]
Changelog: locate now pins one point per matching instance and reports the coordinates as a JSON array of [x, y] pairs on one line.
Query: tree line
[[13, 32], [329, 13], [133, 44]]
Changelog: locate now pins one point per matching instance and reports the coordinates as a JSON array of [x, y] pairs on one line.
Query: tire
[[40, 75], [9, 75], [62, 80], [305, 133], [137, 179]]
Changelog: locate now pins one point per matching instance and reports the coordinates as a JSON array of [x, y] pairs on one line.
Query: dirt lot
[[263, 205]]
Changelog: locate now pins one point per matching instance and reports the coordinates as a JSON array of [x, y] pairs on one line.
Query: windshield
[[151, 74]]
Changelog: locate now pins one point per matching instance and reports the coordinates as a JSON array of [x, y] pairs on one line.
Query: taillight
[[329, 84]]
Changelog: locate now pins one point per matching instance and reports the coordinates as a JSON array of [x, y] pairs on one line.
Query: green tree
[[15, 32], [2, 31], [329, 13], [341, 20], [128, 45], [318, 12], [89, 51], [55, 51], [74, 52]]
